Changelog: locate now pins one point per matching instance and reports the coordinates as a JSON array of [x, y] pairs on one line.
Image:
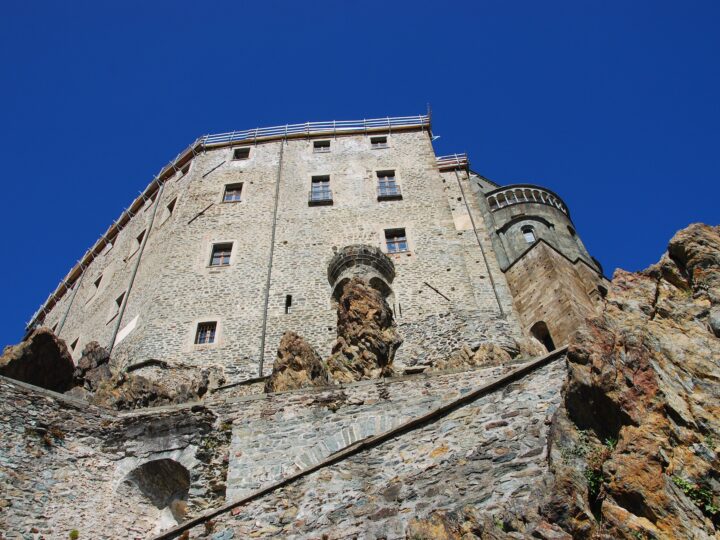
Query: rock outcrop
[[482, 355], [635, 448], [130, 391], [93, 367], [42, 359], [367, 335], [297, 365]]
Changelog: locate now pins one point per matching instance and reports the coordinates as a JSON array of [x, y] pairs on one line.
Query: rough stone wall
[[548, 287], [175, 289], [63, 465], [489, 454]]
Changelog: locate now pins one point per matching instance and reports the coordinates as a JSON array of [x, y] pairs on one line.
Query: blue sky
[[613, 105]]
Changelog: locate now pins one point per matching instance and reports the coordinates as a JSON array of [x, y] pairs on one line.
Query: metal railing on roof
[[452, 161], [316, 128]]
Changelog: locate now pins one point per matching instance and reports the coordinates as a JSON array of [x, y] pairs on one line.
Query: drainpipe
[[158, 199], [477, 237], [270, 261]]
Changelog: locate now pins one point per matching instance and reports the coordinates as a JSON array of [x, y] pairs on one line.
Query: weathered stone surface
[[634, 449], [297, 365], [42, 359], [486, 354], [367, 335], [130, 391], [93, 367]]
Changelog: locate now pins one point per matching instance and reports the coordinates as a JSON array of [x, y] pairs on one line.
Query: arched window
[[540, 332], [528, 233]]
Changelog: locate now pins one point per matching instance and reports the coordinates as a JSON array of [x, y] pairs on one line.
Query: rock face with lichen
[[42, 359], [635, 448], [367, 335], [297, 365]]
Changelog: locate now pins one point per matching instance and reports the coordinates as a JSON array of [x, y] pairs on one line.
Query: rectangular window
[[320, 193], [321, 146], [97, 283], [387, 186], [184, 170], [118, 302], [74, 344], [396, 240], [221, 255], [233, 193], [205, 333], [139, 239], [378, 142], [241, 153]]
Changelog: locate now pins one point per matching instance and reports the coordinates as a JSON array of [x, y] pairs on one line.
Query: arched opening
[[540, 332], [165, 483], [528, 233]]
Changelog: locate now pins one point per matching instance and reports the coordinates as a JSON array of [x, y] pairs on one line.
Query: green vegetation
[[74, 534], [700, 493]]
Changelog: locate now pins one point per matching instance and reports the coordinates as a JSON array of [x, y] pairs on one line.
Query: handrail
[[314, 128], [452, 162]]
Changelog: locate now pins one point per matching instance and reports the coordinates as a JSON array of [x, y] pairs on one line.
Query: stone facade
[[281, 249]]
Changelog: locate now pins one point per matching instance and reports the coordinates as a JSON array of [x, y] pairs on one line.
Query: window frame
[[237, 186], [379, 145], [384, 191], [526, 230], [217, 247], [322, 180], [394, 240], [211, 328], [237, 149], [324, 149]]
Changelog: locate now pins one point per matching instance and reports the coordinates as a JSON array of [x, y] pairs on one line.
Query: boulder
[[93, 367], [367, 335], [42, 359], [297, 365]]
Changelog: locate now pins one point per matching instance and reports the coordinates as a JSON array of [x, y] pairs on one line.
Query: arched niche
[[540, 331], [165, 483]]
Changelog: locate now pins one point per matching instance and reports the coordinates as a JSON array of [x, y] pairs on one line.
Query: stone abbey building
[[248, 234], [236, 267]]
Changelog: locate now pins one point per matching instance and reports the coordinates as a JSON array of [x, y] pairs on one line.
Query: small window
[[396, 240], [571, 231], [139, 238], [221, 255], [320, 193], [97, 282], [205, 333], [387, 186], [184, 170], [74, 344], [233, 193], [288, 303], [529, 234], [241, 153], [321, 146], [378, 142], [118, 302]]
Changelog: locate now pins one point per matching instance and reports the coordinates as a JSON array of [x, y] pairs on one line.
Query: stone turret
[[554, 281]]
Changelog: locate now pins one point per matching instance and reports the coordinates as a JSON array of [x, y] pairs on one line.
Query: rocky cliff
[[635, 449]]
